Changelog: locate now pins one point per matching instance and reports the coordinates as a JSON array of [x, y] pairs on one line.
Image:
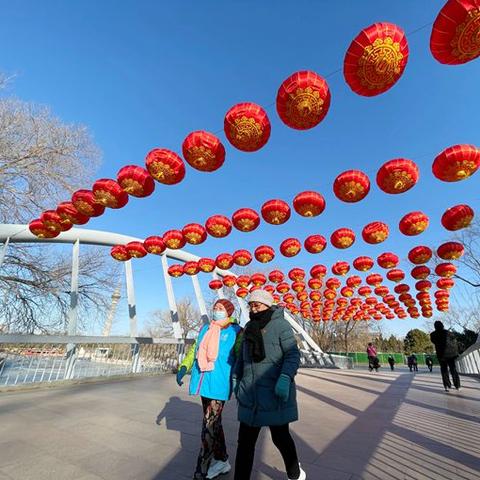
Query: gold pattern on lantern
[[308, 210], [264, 257], [246, 132], [131, 186], [399, 180], [304, 107], [217, 230], [105, 198], [161, 171], [351, 190], [418, 227], [84, 208], [463, 222], [276, 217], [192, 237], [200, 157], [292, 250], [460, 170], [380, 63], [466, 41], [245, 224], [345, 242], [172, 243]]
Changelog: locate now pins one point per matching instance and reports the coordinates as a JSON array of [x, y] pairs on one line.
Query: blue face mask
[[219, 315]]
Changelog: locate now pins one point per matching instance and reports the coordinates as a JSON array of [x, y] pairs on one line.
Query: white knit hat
[[261, 296]]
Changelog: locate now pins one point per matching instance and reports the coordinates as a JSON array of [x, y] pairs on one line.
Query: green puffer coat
[[257, 403]]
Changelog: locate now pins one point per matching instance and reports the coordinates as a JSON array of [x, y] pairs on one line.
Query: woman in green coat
[[264, 385]]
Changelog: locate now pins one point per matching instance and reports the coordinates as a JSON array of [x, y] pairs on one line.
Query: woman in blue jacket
[[210, 361]]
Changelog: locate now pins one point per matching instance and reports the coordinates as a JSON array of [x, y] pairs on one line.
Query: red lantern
[[275, 212], [363, 264], [423, 285], [445, 283], [342, 238], [206, 265], [264, 253], [354, 281], [347, 292], [120, 253], [40, 230], [420, 254], [413, 223], [376, 59], [136, 249], [136, 181], [276, 276], [224, 261], [395, 275], [194, 233], [456, 163], [245, 220], [53, 222], [315, 284], [241, 292], [303, 100], [374, 279], [165, 166], [69, 214], [242, 257], [269, 289], [351, 186], [457, 217], [247, 126], [333, 283], [298, 286], [229, 281], [318, 271], [375, 232], [283, 287], [388, 260], [243, 281], [420, 272], [154, 245], [215, 284], [442, 294], [85, 203], [309, 204], [397, 176], [258, 279], [329, 294], [290, 247], [315, 296], [296, 274], [302, 297], [340, 268], [218, 226], [381, 291], [174, 239], [401, 288], [315, 243], [109, 193], [450, 251], [446, 270], [365, 291], [454, 38], [203, 151], [190, 268]]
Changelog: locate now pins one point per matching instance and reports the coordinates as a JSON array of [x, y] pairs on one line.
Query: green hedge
[[400, 358]]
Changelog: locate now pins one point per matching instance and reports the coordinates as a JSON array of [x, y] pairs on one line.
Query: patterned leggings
[[213, 439]]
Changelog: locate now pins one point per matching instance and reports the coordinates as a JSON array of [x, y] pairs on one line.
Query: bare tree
[[160, 321], [42, 161]]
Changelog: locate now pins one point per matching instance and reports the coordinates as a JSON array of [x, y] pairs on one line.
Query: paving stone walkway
[[354, 425]]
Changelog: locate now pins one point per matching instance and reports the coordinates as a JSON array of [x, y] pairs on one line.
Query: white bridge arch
[[15, 233]]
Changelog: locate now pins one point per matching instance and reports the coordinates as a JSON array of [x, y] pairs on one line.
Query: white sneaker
[[302, 476], [217, 467]]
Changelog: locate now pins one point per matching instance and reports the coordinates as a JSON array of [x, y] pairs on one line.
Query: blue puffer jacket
[[216, 384]]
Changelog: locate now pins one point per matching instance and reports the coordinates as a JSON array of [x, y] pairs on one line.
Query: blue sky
[[144, 74]]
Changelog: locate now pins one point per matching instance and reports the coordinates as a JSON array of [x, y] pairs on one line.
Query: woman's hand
[[282, 387]]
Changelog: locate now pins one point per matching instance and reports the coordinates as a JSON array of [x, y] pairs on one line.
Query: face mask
[[219, 315]]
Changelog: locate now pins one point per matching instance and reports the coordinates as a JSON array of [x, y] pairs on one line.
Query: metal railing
[[27, 359], [469, 361], [312, 359]]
